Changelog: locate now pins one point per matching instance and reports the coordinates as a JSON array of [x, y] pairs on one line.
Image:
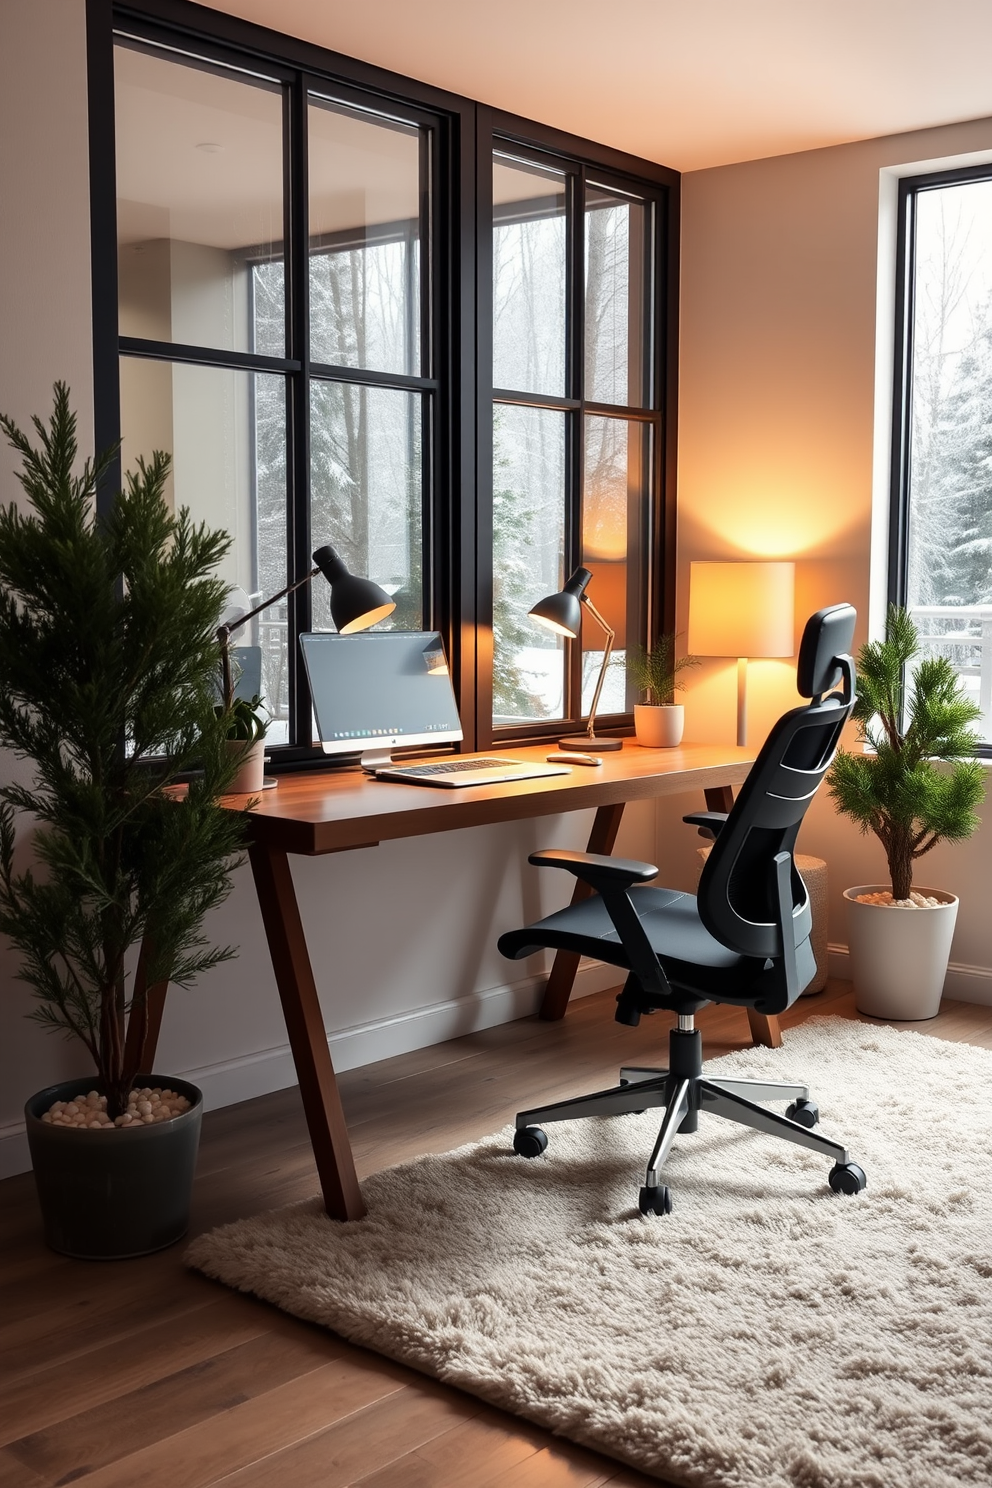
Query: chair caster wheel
[[803, 1112], [655, 1200], [847, 1178], [529, 1141]]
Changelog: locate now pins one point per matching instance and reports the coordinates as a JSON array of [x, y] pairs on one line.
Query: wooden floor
[[141, 1374]]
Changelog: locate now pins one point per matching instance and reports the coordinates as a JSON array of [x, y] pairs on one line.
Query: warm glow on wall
[[766, 523], [743, 610]]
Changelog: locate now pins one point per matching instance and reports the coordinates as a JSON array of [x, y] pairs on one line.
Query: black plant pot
[[107, 1195]]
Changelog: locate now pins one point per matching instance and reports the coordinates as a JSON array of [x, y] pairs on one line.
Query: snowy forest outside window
[[942, 539], [309, 324], [573, 428]]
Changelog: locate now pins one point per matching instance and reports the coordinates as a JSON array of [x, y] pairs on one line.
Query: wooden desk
[[323, 812]]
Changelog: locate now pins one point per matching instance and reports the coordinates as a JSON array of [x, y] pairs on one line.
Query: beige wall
[[45, 335], [777, 438], [44, 212]]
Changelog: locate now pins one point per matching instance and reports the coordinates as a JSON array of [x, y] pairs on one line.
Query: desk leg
[[307, 1038], [764, 1029], [142, 1034], [566, 963]]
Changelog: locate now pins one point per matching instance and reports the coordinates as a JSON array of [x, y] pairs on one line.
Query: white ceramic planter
[[659, 727], [252, 772], [899, 956]]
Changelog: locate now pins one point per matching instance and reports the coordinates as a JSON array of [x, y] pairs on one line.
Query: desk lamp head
[[356, 604], [562, 614]]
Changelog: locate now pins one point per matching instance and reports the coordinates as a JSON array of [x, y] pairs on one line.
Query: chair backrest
[[737, 894]]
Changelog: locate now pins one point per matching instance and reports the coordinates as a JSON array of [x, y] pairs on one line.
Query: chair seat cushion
[[693, 960]]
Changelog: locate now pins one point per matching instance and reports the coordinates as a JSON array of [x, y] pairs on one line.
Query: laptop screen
[[380, 688]]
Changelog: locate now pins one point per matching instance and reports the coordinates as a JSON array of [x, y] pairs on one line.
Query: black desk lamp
[[356, 603], [562, 613]]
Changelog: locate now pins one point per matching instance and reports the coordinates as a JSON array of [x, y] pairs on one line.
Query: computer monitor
[[379, 689]]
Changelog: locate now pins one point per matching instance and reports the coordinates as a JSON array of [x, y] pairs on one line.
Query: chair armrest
[[596, 868], [708, 822]]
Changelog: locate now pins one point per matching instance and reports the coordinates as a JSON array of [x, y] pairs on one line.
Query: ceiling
[[688, 83]]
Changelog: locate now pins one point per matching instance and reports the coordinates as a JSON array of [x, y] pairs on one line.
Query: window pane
[[528, 548], [617, 350], [199, 200], [614, 502], [366, 190], [528, 278], [367, 494], [949, 549], [226, 433]]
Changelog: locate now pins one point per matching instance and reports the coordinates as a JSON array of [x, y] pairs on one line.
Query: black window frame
[[459, 446], [910, 189]]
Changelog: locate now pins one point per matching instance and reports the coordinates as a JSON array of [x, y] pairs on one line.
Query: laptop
[[380, 689], [453, 774]]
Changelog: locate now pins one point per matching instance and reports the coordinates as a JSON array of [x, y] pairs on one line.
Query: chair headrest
[[828, 635]]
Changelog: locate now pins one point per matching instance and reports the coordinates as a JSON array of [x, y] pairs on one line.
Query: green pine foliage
[[658, 673], [108, 664], [899, 792]]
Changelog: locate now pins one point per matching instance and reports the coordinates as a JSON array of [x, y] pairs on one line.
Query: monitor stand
[[375, 759]]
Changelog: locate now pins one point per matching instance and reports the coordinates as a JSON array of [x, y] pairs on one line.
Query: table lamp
[[562, 613], [745, 610], [356, 603]]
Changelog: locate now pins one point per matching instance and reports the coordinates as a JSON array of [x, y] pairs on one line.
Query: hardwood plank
[[384, 1431], [557, 1467], [14, 1474], [470, 1455], [35, 1400], [70, 1448], [73, 1323], [220, 1447]]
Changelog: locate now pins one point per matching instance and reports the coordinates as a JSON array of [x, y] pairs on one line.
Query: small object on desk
[[460, 771], [572, 757]]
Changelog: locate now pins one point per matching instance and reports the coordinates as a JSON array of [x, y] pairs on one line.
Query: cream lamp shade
[[745, 610]]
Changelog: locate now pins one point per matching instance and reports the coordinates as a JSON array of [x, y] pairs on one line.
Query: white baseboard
[[966, 983], [250, 1075]]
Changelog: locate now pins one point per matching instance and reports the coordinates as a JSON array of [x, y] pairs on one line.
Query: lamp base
[[585, 742]]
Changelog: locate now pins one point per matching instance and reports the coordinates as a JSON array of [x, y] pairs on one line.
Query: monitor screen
[[379, 689]]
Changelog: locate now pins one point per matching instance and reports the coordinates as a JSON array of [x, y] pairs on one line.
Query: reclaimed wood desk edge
[[323, 812]]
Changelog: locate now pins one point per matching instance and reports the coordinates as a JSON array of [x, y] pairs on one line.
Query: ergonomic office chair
[[743, 939]]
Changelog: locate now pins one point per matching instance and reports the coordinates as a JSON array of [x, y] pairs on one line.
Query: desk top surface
[[323, 811]]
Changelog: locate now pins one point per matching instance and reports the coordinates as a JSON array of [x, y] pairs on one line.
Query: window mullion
[[575, 419], [298, 431]]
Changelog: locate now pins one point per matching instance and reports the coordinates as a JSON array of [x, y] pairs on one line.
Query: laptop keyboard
[[455, 767]]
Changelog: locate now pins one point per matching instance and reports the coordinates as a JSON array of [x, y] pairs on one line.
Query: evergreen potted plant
[[659, 721], [108, 667], [918, 785]]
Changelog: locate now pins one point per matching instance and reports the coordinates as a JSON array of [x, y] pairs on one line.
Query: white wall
[[402, 936], [778, 455]]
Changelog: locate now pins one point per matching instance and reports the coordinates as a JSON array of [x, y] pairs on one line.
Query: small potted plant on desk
[[246, 726], [659, 721], [919, 785], [108, 688]]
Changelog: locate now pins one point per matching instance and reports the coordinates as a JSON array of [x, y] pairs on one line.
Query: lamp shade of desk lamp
[[562, 614], [745, 610], [356, 603]]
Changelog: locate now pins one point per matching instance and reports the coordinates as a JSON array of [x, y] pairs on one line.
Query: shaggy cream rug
[[766, 1334]]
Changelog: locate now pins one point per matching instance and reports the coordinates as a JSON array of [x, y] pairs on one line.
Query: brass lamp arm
[[610, 637]]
